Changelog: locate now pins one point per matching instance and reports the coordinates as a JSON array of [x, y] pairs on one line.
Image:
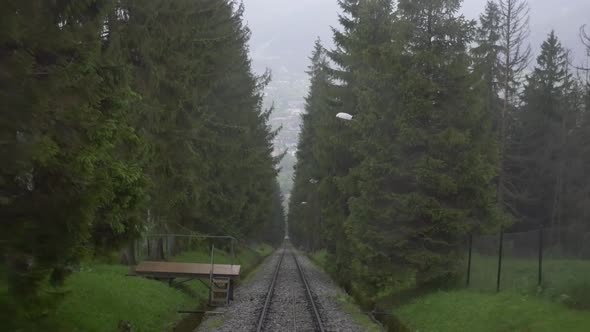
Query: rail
[[315, 312], [271, 289]]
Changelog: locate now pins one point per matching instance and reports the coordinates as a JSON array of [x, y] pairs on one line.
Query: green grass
[[320, 259], [350, 307], [468, 310], [244, 256], [248, 258], [521, 306], [99, 296], [521, 275]]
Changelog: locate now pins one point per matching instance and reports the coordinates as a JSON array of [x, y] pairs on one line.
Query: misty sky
[[283, 31]]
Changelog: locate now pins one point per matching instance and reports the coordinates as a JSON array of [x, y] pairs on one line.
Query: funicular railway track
[[288, 290]]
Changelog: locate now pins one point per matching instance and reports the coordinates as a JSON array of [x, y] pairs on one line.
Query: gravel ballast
[[289, 309]]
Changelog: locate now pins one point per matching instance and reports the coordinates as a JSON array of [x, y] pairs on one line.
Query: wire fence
[[161, 247], [547, 260]]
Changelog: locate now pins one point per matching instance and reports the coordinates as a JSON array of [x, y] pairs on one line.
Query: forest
[[456, 130], [423, 130], [122, 118]]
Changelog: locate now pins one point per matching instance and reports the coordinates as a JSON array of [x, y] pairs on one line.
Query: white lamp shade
[[344, 116]]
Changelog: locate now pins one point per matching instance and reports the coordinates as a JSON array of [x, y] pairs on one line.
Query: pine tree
[[486, 59], [306, 203], [514, 58], [448, 155], [370, 224], [573, 201], [211, 168], [547, 118], [121, 118], [73, 180], [335, 156]]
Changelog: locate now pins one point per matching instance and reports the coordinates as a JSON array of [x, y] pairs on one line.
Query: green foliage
[[439, 146], [551, 127], [123, 117], [402, 184], [73, 178], [98, 297], [101, 296], [560, 276], [579, 297], [506, 311]]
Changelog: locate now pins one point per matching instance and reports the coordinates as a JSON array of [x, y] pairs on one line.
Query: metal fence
[[165, 246], [546, 260]]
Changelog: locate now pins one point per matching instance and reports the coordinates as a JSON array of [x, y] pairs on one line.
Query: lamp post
[[344, 116]]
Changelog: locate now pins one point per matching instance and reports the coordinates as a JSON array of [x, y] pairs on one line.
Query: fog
[[283, 31]]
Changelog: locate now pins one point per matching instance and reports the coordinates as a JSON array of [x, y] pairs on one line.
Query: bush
[[578, 296]]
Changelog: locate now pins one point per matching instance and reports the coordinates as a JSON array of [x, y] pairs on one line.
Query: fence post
[[500, 259], [166, 247], [469, 259], [541, 255], [233, 251]]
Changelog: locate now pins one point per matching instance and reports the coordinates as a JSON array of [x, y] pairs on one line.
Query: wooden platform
[[186, 270]]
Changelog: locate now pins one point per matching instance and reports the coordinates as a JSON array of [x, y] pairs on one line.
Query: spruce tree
[[212, 169], [486, 60], [448, 153], [515, 53], [73, 181], [370, 224], [306, 204], [121, 118], [546, 120]]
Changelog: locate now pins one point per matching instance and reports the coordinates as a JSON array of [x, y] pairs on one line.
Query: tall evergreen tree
[[515, 55], [448, 152], [333, 151], [124, 117], [71, 182], [301, 214], [370, 224], [546, 120], [211, 145], [487, 59]]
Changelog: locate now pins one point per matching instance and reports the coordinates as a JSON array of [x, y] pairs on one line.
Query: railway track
[[288, 290]]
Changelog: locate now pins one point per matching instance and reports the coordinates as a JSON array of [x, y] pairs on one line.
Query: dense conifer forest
[[456, 130], [121, 118], [421, 130]]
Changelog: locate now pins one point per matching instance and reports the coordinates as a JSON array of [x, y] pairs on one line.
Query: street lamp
[[344, 116]]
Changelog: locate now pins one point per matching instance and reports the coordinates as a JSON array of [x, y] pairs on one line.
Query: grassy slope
[[99, 296], [517, 308], [520, 275], [102, 295], [347, 302], [486, 312]]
